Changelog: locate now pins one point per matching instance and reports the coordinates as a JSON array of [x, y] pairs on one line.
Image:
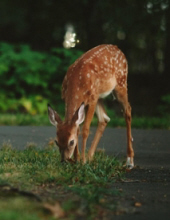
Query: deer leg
[[103, 119], [76, 154], [122, 97], [76, 151], [85, 130]]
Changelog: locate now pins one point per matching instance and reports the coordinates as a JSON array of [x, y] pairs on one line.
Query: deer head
[[67, 131]]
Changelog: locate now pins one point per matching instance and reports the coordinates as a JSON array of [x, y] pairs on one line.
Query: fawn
[[97, 73]]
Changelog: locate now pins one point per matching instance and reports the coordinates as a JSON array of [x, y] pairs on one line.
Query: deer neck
[[71, 106]]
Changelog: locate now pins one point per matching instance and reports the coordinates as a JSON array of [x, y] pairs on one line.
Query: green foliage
[[151, 122], [164, 108], [32, 104], [30, 78], [137, 122], [18, 209], [40, 171], [24, 119]]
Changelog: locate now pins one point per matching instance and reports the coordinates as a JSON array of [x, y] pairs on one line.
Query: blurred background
[[39, 39]]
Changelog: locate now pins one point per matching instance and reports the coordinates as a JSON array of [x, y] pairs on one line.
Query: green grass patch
[[137, 122], [18, 208], [36, 181], [23, 119]]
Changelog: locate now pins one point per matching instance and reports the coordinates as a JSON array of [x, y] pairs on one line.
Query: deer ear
[[53, 116], [80, 114]]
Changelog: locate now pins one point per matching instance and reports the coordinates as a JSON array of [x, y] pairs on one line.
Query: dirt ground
[[146, 189]]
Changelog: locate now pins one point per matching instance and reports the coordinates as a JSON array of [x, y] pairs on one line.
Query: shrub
[[30, 78], [164, 108]]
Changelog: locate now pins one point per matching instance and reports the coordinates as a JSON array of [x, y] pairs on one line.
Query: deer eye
[[71, 143]]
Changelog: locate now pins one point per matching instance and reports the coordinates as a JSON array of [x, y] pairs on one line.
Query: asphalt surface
[[146, 189]]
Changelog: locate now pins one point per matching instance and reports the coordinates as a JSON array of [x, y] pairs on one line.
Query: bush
[[30, 78], [164, 108]]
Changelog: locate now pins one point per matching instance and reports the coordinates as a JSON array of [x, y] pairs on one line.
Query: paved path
[[147, 186]]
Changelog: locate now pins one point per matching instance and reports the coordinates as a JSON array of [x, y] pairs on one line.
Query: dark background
[[141, 29]]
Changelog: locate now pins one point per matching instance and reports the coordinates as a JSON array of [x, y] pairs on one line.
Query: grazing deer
[[93, 76]]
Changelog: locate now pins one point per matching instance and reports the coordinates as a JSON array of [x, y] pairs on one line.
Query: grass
[[35, 185], [137, 122], [23, 119], [18, 208]]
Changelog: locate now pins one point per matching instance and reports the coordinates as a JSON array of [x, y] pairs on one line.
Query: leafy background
[[31, 79], [33, 61]]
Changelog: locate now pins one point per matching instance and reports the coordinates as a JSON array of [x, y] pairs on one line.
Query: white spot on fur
[[88, 75]]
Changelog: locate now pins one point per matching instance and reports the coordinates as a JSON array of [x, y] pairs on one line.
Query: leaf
[[27, 104], [55, 209]]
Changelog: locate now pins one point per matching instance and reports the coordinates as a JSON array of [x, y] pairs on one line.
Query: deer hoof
[[129, 163], [83, 160]]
